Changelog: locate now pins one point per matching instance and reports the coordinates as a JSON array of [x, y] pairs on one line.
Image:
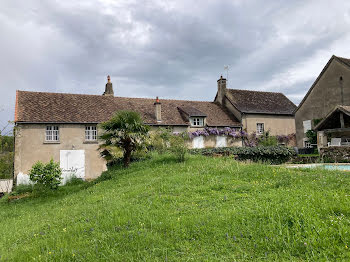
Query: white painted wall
[[221, 141], [6, 185], [23, 179], [198, 142]]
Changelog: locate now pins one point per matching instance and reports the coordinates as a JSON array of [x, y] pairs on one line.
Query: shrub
[[178, 146], [267, 140], [46, 175], [312, 136], [160, 140], [22, 189], [74, 181], [6, 165], [270, 154]]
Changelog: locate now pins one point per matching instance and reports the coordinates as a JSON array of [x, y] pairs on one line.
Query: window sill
[[90, 142], [52, 142]]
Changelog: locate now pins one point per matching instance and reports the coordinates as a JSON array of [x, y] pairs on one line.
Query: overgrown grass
[[205, 209]]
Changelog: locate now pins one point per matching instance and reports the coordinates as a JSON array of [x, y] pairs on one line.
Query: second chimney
[[109, 88], [221, 90], [158, 106]]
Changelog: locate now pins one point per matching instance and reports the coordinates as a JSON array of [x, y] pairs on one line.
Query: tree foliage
[[125, 130], [178, 146], [312, 136], [46, 175], [6, 156]]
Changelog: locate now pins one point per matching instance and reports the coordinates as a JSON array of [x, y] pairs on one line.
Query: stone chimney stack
[[109, 88], [221, 90], [158, 106]]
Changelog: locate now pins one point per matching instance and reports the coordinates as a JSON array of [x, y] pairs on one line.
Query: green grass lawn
[[206, 209]]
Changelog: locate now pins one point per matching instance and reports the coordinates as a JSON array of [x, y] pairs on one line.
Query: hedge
[[269, 154]]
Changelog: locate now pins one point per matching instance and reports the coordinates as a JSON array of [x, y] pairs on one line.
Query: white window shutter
[[307, 125]]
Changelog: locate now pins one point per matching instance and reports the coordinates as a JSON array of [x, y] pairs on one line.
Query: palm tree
[[126, 131]]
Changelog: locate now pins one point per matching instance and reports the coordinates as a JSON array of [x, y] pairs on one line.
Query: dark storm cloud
[[173, 49]]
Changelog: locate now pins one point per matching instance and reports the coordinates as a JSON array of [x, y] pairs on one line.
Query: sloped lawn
[[207, 209]]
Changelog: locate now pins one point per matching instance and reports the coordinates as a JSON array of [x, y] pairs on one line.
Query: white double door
[[72, 163]]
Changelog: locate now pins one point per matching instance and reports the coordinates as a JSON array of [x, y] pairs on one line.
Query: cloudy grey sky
[[172, 49]]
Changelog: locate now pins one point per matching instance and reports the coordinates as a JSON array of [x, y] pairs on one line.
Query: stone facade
[[275, 124], [336, 154], [332, 88], [30, 147]]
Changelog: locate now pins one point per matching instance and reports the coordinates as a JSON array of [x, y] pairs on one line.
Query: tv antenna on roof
[[226, 67]]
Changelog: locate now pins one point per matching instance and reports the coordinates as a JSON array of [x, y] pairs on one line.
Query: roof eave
[[337, 108], [267, 113]]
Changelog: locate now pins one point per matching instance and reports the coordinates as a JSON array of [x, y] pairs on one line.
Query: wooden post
[[341, 120]]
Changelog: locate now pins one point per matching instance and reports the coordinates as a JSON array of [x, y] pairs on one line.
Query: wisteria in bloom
[[285, 138], [227, 131], [250, 140]]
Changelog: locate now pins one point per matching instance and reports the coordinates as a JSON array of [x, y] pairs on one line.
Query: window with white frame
[[52, 133], [197, 121], [260, 128], [91, 133]]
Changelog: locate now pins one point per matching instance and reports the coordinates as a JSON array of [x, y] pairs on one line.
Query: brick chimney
[[221, 90], [109, 88], [158, 106]]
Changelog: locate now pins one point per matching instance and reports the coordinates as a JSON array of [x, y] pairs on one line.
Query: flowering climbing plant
[[250, 140], [227, 131]]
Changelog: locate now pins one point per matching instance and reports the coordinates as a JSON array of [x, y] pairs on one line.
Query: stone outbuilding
[[330, 89], [334, 129]]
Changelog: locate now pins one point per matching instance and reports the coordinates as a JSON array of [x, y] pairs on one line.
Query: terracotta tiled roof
[[41, 107], [248, 101], [191, 111]]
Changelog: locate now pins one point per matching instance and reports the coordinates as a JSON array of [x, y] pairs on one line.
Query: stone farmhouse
[[65, 126], [326, 98], [259, 111]]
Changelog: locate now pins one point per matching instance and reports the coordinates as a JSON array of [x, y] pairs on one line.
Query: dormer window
[[197, 121], [193, 115]]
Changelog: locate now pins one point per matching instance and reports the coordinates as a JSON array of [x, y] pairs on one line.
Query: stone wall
[[6, 185], [337, 154]]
